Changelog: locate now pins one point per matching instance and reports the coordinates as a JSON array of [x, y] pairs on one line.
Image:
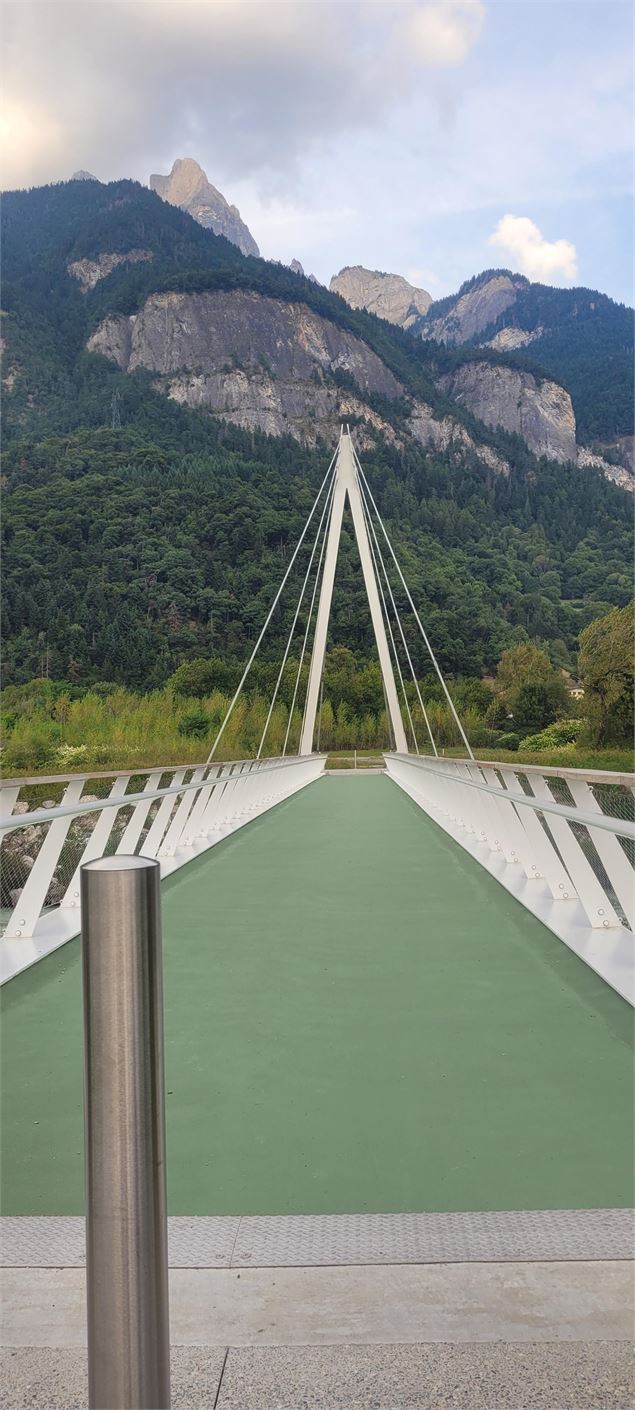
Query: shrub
[[31, 749], [558, 735], [70, 756], [481, 737], [195, 725], [508, 741]]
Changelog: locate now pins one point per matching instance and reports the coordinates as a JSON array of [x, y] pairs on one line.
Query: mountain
[[387, 295], [187, 187], [169, 409], [582, 337]]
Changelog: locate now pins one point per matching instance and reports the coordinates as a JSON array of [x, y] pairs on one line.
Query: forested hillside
[[139, 534]]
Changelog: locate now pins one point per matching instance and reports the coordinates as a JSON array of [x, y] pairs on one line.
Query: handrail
[[172, 824], [618, 826], [577, 880], [129, 773], [547, 770], [43, 815]]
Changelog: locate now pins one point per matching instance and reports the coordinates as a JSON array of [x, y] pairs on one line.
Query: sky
[[431, 138]]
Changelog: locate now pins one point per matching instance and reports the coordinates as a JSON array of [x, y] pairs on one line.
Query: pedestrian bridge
[[360, 1018]]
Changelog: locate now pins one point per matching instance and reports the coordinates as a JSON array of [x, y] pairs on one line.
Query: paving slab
[[512, 1376], [323, 1306], [574, 1376], [56, 1378]]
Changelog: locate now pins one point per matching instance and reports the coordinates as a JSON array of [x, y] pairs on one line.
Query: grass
[[613, 760], [351, 759]]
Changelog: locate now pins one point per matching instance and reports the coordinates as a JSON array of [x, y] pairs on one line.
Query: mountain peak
[[187, 186], [390, 296]]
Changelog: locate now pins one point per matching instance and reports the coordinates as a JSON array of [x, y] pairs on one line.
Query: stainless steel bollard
[[126, 1221]]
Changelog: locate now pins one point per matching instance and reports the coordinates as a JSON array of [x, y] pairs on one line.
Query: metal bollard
[[124, 1117]]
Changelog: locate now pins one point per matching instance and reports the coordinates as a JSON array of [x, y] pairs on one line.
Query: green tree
[[196, 678], [606, 670], [539, 703], [532, 691], [525, 664]]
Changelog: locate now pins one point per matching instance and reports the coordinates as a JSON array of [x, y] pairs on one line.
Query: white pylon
[[347, 485]]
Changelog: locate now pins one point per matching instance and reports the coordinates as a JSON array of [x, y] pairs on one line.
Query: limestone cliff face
[[540, 412], [257, 361], [187, 186], [219, 332], [509, 339], [264, 365], [452, 438], [387, 295], [88, 272], [620, 474], [474, 310]]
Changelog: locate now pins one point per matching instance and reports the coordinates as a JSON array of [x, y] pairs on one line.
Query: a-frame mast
[[347, 485]]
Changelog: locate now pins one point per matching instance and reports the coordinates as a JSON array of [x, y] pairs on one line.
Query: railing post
[[126, 1223]]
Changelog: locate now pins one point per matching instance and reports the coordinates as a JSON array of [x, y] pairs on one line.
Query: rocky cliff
[[187, 187], [88, 272], [472, 312], [539, 411], [257, 361], [387, 295], [272, 366]]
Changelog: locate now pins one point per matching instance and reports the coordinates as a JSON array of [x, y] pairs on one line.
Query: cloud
[[529, 252], [250, 87], [443, 34]]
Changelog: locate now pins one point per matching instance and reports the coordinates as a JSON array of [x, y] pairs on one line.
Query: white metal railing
[[170, 814], [562, 841]]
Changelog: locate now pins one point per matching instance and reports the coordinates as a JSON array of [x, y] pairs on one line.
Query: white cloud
[[251, 86], [444, 33], [529, 252]]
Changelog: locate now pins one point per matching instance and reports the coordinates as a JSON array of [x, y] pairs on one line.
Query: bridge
[[399, 1083]]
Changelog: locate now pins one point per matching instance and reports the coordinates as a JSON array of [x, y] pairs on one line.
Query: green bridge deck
[[358, 1018]]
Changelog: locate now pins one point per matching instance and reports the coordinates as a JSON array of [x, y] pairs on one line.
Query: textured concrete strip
[[42, 1241], [322, 1306], [542, 1235], [54, 1378], [574, 1376], [313, 1240]]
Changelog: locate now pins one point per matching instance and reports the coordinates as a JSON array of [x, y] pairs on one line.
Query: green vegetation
[[128, 552], [607, 668], [57, 726]]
